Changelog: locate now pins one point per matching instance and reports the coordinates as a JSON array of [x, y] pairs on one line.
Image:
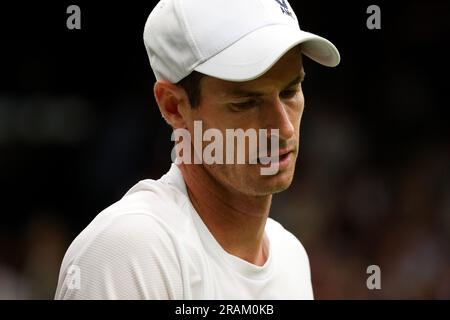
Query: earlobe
[[170, 100]]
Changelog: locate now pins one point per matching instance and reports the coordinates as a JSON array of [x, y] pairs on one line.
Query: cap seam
[[189, 31], [236, 40]]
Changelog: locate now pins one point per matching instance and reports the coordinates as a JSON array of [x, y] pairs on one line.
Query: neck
[[236, 220]]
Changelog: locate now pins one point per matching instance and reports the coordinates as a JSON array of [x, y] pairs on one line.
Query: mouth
[[282, 158]]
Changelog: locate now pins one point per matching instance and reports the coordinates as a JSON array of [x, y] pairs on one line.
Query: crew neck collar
[[246, 269]]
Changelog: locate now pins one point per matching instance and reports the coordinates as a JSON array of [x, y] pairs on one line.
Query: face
[[273, 101]]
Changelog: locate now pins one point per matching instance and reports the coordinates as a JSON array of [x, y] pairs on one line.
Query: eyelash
[[241, 106], [244, 105], [289, 93]]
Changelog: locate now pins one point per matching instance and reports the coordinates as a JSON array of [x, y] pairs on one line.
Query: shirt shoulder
[[292, 262], [287, 245], [131, 250]]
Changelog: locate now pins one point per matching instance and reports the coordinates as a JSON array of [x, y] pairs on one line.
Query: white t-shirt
[[152, 244]]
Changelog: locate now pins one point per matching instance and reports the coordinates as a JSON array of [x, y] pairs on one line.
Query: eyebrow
[[254, 94]]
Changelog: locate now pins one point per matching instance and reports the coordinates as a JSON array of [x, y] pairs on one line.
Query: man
[[202, 230]]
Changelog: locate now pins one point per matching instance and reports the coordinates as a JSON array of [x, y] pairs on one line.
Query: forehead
[[287, 68]]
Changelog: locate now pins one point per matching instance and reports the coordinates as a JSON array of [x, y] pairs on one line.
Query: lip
[[284, 151], [284, 157]]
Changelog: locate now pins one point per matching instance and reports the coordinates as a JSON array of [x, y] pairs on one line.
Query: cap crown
[[181, 34]]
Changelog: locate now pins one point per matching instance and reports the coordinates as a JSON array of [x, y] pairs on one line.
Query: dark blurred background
[[79, 127]]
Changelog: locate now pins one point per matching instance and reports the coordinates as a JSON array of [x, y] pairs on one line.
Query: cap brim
[[254, 54]]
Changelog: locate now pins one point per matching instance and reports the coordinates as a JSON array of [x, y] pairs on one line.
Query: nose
[[278, 118]]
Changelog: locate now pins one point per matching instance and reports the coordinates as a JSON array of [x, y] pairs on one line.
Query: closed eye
[[244, 105], [287, 94]]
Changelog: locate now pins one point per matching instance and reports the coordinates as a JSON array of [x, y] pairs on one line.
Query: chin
[[248, 180], [274, 184]]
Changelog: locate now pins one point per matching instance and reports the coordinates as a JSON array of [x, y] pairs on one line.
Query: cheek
[[301, 102], [297, 111]]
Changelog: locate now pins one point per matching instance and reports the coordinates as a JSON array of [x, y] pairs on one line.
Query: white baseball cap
[[235, 40]]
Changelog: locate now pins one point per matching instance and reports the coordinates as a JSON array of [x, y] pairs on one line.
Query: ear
[[173, 103]]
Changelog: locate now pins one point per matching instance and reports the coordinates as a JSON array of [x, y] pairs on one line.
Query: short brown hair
[[191, 84]]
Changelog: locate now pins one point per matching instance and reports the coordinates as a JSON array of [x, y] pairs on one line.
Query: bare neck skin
[[236, 221]]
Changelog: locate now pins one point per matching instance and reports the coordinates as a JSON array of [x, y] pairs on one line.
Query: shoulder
[[151, 203], [130, 250], [287, 244], [292, 262]]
